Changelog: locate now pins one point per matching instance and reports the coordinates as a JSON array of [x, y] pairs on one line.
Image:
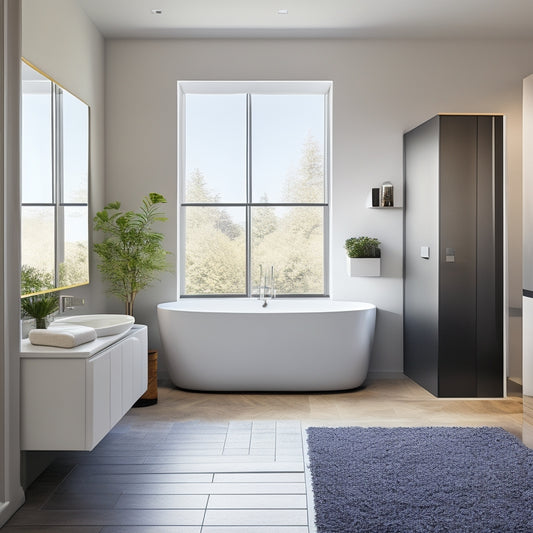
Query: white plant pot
[[364, 266]]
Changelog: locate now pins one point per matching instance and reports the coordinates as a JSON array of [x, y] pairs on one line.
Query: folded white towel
[[62, 336]]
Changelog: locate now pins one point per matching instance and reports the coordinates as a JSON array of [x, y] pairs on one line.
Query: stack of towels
[[62, 335]]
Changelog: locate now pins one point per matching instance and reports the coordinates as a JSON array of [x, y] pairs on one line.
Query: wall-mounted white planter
[[364, 266]]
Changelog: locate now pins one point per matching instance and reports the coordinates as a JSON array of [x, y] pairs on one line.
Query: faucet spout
[[68, 303], [266, 285]]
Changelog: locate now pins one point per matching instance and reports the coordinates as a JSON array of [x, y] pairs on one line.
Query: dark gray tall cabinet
[[453, 256]]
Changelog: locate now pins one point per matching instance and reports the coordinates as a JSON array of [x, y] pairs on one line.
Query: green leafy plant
[[38, 306], [366, 247], [131, 254]]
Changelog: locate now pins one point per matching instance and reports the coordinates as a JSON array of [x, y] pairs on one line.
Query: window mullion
[[248, 195], [182, 121], [327, 191]]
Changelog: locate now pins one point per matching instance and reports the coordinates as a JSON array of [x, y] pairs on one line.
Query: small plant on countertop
[[40, 305], [131, 253], [363, 247]]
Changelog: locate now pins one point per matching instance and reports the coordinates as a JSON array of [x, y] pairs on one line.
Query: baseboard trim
[[9, 508], [386, 375]]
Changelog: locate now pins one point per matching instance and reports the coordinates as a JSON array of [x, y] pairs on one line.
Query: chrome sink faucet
[[68, 303]]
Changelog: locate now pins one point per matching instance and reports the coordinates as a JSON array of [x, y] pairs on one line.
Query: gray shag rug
[[428, 479]]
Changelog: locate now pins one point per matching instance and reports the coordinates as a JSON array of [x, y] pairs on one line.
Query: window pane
[[74, 269], [36, 147], [288, 148], [38, 242], [291, 239], [75, 133], [215, 148], [215, 250]]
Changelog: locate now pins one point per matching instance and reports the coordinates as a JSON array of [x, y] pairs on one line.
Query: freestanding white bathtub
[[235, 344]]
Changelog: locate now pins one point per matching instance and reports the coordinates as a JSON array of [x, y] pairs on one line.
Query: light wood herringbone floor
[[381, 402]]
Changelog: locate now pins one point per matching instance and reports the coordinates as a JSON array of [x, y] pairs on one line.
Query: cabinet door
[[98, 406], [134, 371], [458, 237], [489, 362], [53, 404], [421, 275], [115, 392], [127, 376], [140, 368]]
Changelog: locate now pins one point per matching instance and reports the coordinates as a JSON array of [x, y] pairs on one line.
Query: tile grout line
[[276, 442], [225, 439], [205, 512]]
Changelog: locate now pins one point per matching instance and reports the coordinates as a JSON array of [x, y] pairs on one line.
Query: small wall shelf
[[375, 199]]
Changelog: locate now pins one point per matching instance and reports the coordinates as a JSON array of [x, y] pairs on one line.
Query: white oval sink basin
[[104, 325]]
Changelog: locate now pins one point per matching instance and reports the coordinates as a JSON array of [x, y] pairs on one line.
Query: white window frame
[[252, 87]]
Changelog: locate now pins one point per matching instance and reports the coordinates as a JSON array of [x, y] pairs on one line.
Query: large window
[[253, 186]]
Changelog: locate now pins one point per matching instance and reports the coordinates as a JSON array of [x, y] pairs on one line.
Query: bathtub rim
[[230, 305]]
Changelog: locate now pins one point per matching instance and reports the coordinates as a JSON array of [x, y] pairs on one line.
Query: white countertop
[[83, 351]]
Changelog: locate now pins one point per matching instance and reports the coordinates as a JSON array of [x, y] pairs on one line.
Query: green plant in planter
[[131, 254], [366, 247], [38, 306]]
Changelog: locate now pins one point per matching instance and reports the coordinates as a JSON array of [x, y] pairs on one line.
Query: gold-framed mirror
[[54, 185]]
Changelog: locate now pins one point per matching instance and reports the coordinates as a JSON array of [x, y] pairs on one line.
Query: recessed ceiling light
[[157, 11], [283, 11]]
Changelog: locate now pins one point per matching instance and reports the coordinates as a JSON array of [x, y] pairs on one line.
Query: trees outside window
[[254, 190]]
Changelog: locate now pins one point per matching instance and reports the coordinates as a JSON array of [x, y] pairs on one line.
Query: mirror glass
[[55, 185]]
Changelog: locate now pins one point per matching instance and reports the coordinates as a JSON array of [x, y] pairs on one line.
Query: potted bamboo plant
[[364, 256], [131, 254]]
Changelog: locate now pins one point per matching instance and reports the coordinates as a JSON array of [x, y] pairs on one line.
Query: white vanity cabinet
[[71, 398]]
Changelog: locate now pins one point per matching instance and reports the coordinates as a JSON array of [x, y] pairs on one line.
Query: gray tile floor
[[186, 477], [153, 474]]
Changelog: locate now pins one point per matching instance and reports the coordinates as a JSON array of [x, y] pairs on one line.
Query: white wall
[[381, 89], [59, 39]]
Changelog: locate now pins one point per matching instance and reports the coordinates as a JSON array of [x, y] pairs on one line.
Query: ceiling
[[394, 19]]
